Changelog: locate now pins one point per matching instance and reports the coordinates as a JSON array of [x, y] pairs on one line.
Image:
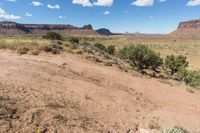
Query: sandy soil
[[67, 93]]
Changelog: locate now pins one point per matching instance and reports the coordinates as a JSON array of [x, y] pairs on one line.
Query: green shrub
[[110, 49], [100, 46], [141, 56], [191, 78], [52, 36], [174, 63], [22, 50], [124, 53], [73, 39], [175, 130]]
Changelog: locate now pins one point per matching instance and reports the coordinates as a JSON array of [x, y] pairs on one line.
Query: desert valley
[[64, 79], [99, 66]]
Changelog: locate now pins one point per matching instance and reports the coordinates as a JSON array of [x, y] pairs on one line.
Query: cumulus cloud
[[106, 13], [5, 15], [82, 2], [143, 3], [28, 14], [37, 3], [103, 3], [53, 6], [193, 3], [88, 3]]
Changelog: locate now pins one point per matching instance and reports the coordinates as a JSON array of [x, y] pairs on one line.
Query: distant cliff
[[14, 28], [192, 24], [187, 29]]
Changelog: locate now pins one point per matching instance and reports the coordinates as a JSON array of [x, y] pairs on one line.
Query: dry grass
[[164, 45]]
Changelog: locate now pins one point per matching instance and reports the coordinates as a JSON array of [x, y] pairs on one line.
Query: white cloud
[[103, 3], [62, 17], [82, 2], [53, 6], [88, 3], [5, 15], [106, 13], [37, 3], [143, 3], [11, 0], [28, 14], [193, 3]]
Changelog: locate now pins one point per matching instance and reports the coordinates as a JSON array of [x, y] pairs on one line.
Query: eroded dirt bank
[[66, 93]]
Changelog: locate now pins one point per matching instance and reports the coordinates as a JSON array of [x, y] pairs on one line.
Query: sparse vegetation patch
[[73, 39], [52, 36], [100, 46], [110, 49], [23, 50], [175, 130], [53, 48]]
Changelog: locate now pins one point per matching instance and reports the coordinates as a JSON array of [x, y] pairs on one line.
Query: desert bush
[[35, 52], [73, 39], [52, 36], [189, 77], [23, 50], [54, 48], [141, 56], [124, 53], [175, 130], [110, 49], [174, 63], [100, 46]]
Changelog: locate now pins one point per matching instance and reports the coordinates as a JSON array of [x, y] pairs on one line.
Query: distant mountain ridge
[[13, 28]]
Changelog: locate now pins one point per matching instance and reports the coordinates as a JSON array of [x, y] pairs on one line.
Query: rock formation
[[104, 31], [13, 28], [192, 24], [187, 29]]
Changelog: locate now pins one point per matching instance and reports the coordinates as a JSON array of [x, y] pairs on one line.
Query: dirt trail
[[66, 93]]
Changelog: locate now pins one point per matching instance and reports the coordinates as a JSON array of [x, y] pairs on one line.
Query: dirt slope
[[66, 93]]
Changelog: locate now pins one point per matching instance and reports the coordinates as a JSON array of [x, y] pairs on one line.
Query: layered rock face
[[188, 29], [38, 29], [193, 24]]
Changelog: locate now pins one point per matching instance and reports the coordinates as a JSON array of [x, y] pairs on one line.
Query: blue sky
[[146, 16]]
